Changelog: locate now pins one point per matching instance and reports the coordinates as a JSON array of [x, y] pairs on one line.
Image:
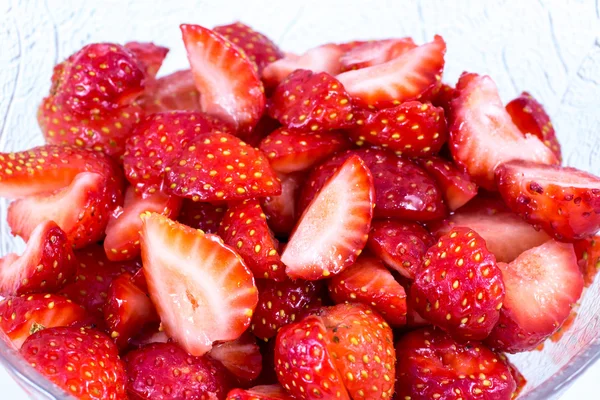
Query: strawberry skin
[[282, 211], [241, 357], [204, 216], [264, 392], [588, 256], [374, 53], [149, 55], [455, 184], [176, 91]]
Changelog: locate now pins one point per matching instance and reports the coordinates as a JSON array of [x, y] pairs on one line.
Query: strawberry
[[334, 228], [226, 77], [542, 286], [482, 135], [455, 185], [444, 98], [241, 357], [149, 55], [164, 371], [412, 75], [176, 91], [122, 240], [220, 167], [265, 392], [22, 316], [282, 303], [204, 216], [531, 118], [431, 365], [307, 101], [281, 211], [375, 53], [201, 288], [244, 228], [257, 46], [412, 129], [266, 125], [148, 335], [401, 245], [517, 376], [47, 264], [367, 281], [83, 362], [588, 256], [563, 201], [295, 151]]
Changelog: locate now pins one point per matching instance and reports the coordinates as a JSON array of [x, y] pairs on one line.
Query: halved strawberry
[[520, 380], [444, 98], [176, 91], [334, 228], [241, 357], [412, 75], [482, 135], [148, 335], [24, 315], [282, 211], [47, 264], [204, 216], [226, 77], [149, 55], [367, 281], [218, 167], [295, 151], [542, 286], [588, 256], [264, 392], [563, 201], [375, 53], [456, 185], [201, 288]]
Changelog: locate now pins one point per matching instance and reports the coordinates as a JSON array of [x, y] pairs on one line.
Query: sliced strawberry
[[47, 264], [122, 240], [563, 201], [226, 77], [204, 216], [148, 335], [282, 303], [432, 365], [149, 55], [444, 98], [520, 380], [334, 228], [375, 53], [401, 245], [265, 392], [456, 185], [244, 228], [201, 288], [294, 151], [176, 91], [218, 167], [411, 75], [367, 281], [281, 211], [482, 135], [460, 288], [22, 316], [588, 256], [241, 357], [266, 125], [531, 118], [542, 286]]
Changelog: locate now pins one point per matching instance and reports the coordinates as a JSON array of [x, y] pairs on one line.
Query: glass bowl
[[551, 49]]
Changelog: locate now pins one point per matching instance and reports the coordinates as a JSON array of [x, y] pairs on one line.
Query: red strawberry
[[531, 118], [148, 335], [282, 303], [257, 46], [244, 228], [266, 125], [563, 201], [431, 365], [401, 245], [176, 91], [588, 256], [444, 98], [375, 53], [22, 316], [367, 281], [482, 135], [412, 129], [412, 75], [542, 286], [204, 216], [334, 228], [218, 167], [265, 392], [122, 240], [308, 101], [517, 376], [241, 357], [149, 55], [83, 362], [201, 288], [281, 211], [460, 288], [294, 151], [455, 184], [164, 371], [226, 77], [47, 264]]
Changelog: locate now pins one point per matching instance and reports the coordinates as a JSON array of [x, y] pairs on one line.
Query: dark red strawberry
[[482, 134], [588, 256], [531, 118], [455, 184], [431, 365], [218, 167], [244, 228], [266, 125], [367, 281], [281, 211], [520, 380], [444, 98], [334, 228], [149, 55], [241, 357], [542, 286], [460, 288], [410, 76], [374, 53], [164, 371], [230, 86], [295, 151], [265, 392], [563, 201], [46, 265], [282, 303], [204, 216], [176, 91], [83, 362]]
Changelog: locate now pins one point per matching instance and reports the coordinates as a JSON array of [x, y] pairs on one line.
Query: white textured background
[[550, 48]]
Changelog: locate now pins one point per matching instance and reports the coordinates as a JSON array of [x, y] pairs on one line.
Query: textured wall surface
[[550, 48]]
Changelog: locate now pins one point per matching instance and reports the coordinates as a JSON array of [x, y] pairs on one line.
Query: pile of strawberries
[[333, 225]]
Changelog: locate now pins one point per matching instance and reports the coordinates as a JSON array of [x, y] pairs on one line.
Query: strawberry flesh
[[455, 184], [176, 91], [281, 211], [264, 392], [149, 55], [374, 53], [241, 357]]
